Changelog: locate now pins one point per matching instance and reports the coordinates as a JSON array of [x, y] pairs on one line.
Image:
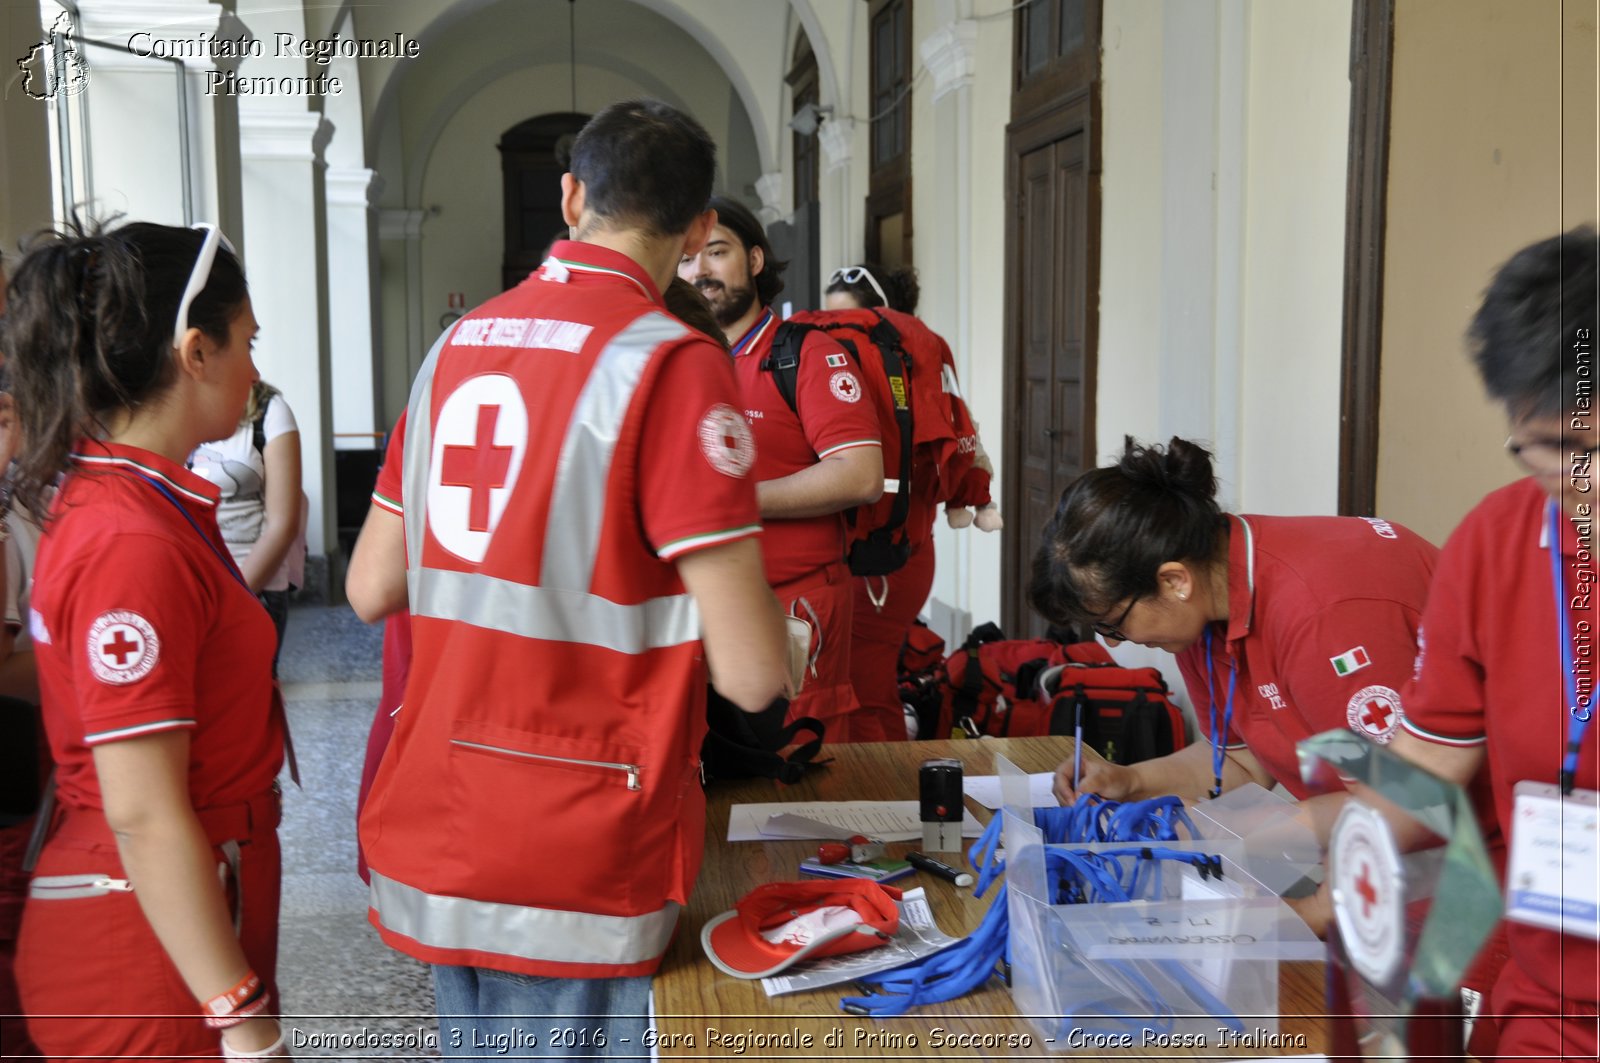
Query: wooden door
[[1050, 437]]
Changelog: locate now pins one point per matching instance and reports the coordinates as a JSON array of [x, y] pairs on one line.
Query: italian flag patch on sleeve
[[1350, 661]]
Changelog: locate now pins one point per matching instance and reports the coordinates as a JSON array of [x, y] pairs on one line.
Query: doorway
[[533, 156], [1051, 325]]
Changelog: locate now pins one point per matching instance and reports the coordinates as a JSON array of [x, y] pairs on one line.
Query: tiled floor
[[346, 994]]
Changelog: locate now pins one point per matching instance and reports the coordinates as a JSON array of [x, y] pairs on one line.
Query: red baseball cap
[[782, 923]]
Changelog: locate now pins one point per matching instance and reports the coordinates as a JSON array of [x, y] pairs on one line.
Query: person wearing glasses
[[152, 919], [949, 466], [1283, 627], [812, 462], [1505, 670]]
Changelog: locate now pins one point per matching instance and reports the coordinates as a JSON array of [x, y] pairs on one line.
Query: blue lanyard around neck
[[1218, 751], [227, 562], [1578, 713], [749, 337]]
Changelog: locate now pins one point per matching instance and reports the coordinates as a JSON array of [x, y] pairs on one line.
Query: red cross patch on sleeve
[[1375, 712], [845, 386], [726, 441], [122, 647]]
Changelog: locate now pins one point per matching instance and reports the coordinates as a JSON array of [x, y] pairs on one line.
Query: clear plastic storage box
[[1193, 964]]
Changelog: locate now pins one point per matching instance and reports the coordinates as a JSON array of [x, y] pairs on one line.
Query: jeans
[[495, 1015]]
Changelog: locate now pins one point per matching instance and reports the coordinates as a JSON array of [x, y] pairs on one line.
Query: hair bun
[[1181, 467]]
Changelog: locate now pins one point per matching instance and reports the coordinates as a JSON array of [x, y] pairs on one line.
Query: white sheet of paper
[[889, 821], [985, 789]]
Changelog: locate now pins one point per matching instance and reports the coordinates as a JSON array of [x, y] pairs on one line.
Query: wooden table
[[704, 1013]]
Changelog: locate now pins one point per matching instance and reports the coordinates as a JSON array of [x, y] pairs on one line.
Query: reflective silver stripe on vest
[[414, 459], [578, 499], [556, 615], [562, 610], [515, 930]]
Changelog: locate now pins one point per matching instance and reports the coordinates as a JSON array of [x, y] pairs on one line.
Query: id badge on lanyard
[[1553, 875], [1553, 878]]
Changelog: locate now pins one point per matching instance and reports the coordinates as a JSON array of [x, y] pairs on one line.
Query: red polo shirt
[[832, 414], [1489, 673], [142, 625], [1322, 626], [698, 448]]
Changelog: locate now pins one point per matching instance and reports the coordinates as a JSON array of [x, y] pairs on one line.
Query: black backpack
[[878, 543], [745, 745]]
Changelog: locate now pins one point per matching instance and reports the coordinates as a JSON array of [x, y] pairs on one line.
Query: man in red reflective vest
[[575, 537], [813, 461]]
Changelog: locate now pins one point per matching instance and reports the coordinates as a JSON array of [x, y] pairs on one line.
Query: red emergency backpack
[[909, 377], [1020, 688]]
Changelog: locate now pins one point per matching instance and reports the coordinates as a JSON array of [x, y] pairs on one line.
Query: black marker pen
[[938, 867]]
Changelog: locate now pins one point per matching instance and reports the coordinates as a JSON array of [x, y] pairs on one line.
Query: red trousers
[[885, 607], [823, 600], [84, 959], [1535, 1025], [13, 891]]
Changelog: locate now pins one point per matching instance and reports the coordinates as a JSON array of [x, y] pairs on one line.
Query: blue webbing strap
[[1076, 876]]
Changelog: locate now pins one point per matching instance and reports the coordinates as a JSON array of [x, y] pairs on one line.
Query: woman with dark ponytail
[[1283, 626], [151, 923]]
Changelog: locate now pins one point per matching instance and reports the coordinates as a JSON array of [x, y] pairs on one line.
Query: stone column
[[949, 53], [286, 258], [353, 305]]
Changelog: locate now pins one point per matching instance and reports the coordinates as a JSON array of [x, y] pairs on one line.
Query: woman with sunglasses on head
[[151, 923], [949, 466], [1283, 626]]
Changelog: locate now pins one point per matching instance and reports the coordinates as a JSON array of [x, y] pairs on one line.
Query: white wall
[[1222, 238], [1225, 125], [1298, 132]]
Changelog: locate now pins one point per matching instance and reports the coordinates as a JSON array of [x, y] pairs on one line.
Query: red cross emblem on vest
[[479, 467], [480, 436]]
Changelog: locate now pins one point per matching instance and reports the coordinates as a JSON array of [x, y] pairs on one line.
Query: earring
[[1182, 597]]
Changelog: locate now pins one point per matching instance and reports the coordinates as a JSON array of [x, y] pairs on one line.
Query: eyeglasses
[[1546, 458], [1114, 631], [198, 277], [855, 275]]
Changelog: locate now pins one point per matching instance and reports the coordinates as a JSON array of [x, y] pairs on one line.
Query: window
[[1051, 34], [891, 82], [888, 236], [803, 86]]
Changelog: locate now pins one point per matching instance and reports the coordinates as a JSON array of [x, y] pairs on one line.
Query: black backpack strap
[[897, 367], [784, 361], [258, 429]]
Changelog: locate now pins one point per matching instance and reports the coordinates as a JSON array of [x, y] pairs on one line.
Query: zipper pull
[[633, 777], [121, 885]]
